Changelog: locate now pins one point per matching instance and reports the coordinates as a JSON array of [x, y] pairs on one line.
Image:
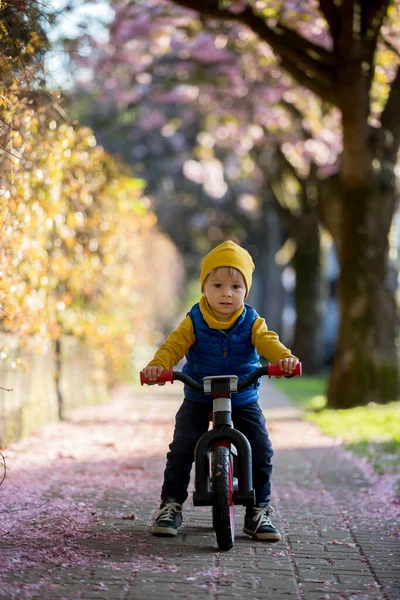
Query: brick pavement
[[334, 546]]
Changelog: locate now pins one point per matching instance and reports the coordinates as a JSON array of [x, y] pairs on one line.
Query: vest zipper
[[225, 350]]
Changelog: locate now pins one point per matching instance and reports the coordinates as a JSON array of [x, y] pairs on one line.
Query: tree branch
[[329, 193], [371, 24], [290, 221], [275, 181], [295, 59], [313, 84], [292, 110], [372, 19], [286, 165], [390, 116], [347, 33], [3, 458], [300, 43], [392, 48], [331, 15], [373, 13]]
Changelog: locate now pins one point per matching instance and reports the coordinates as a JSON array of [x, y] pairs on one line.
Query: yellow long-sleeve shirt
[[179, 341]]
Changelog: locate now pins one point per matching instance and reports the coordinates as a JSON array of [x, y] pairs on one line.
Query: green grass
[[371, 431], [306, 392]]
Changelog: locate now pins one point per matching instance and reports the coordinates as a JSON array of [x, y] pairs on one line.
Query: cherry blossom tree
[[345, 54]]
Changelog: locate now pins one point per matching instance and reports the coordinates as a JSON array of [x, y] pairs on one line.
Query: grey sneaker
[[258, 525], [168, 519]]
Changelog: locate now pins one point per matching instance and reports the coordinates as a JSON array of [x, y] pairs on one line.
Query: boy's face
[[224, 292]]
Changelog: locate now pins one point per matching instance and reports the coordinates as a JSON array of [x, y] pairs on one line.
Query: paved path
[[78, 499]]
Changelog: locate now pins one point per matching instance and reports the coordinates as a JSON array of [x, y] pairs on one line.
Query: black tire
[[223, 514]]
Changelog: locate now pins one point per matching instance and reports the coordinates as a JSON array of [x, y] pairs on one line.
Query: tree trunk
[[303, 226], [306, 262], [266, 294], [272, 273], [366, 363]]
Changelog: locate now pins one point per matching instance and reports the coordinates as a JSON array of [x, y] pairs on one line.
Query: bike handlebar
[[270, 370]]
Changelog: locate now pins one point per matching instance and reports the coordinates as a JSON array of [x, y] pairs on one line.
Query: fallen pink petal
[[91, 515]]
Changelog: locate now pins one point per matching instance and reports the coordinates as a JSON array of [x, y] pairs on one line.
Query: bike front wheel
[[223, 507]]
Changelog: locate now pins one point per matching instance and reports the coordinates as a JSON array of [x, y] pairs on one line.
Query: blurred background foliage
[[79, 246]]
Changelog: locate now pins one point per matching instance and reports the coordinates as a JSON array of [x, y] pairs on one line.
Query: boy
[[220, 335]]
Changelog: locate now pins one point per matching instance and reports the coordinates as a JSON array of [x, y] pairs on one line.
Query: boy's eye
[[217, 285], [237, 286]]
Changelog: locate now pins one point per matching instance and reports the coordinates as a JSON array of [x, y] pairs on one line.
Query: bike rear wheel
[[223, 507]]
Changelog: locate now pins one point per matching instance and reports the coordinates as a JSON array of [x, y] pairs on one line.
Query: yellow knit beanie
[[228, 254]]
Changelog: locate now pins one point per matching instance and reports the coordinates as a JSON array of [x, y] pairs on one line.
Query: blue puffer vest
[[215, 353]]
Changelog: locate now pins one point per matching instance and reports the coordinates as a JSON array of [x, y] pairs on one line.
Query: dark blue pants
[[191, 421]]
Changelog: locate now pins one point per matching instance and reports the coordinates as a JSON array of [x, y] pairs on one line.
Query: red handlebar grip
[[165, 376], [274, 370]]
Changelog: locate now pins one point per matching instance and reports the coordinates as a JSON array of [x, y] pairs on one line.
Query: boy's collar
[[211, 319]]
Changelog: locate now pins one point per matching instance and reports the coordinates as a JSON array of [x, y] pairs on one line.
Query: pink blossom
[[237, 7]]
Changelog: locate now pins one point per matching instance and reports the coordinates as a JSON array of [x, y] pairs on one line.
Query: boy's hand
[[288, 364], [152, 373]]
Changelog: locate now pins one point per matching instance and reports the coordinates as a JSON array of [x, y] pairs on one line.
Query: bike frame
[[222, 434]]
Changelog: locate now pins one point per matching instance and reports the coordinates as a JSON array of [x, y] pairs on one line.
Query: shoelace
[[167, 511], [261, 517]]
